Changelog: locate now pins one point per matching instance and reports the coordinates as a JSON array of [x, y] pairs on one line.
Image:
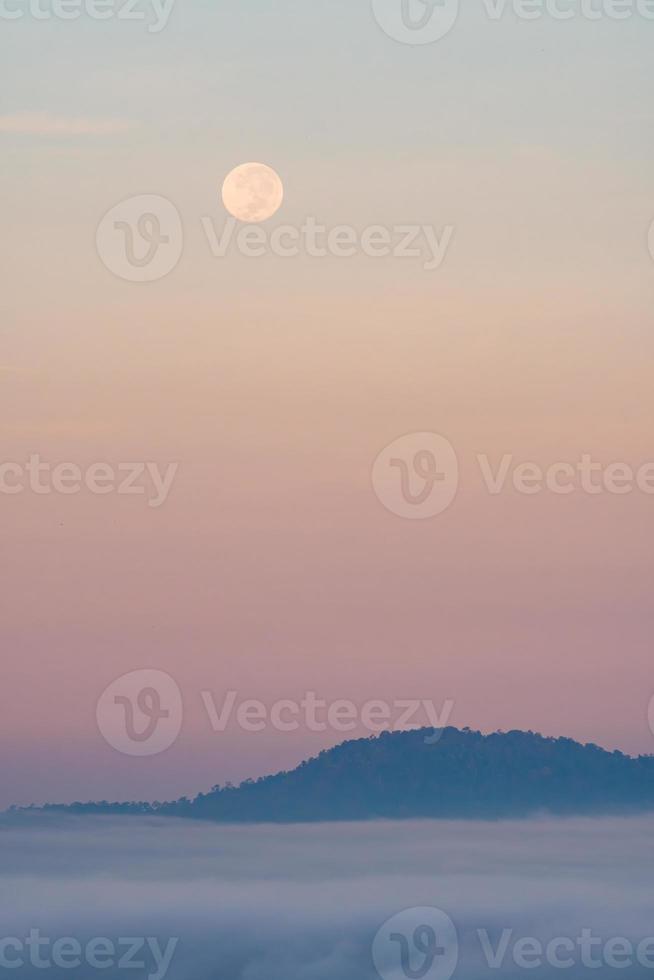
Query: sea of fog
[[423, 900]]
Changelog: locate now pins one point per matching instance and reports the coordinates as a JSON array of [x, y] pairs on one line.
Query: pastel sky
[[272, 568]]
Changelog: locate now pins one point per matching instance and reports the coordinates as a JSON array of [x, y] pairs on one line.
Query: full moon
[[252, 192]]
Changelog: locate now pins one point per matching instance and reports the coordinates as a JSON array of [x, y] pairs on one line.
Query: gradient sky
[[272, 568]]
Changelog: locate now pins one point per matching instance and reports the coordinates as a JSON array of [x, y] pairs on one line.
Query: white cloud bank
[[305, 902]]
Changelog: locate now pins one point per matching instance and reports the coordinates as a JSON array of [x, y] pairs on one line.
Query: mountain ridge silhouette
[[448, 774]]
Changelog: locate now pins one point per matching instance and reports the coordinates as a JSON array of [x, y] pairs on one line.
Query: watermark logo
[[416, 21], [155, 12], [422, 944], [426, 21], [416, 944], [145, 953], [141, 239], [318, 241], [314, 714], [141, 713], [587, 950], [650, 714], [416, 476], [36, 475]]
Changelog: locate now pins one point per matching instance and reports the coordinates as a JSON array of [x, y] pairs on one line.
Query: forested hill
[[461, 774]]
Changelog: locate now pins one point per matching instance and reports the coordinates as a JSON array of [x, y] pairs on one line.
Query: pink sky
[[272, 568]]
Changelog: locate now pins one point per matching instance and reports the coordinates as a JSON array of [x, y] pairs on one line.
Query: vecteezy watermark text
[[318, 241], [586, 950], [315, 714], [423, 943], [41, 952], [141, 713], [418, 22], [417, 476], [141, 239], [155, 12], [39, 476]]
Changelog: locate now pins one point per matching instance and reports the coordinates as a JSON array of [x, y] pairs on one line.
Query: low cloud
[[305, 902]]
